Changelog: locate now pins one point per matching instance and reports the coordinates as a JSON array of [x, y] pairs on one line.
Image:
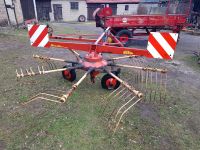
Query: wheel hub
[[111, 83], [94, 60], [123, 38]]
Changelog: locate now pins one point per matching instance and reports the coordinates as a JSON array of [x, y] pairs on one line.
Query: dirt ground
[[77, 124]]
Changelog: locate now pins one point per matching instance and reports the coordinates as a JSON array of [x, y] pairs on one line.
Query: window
[[74, 5], [127, 7]]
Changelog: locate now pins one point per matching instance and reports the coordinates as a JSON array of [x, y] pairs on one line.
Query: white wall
[[68, 14], [132, 9]]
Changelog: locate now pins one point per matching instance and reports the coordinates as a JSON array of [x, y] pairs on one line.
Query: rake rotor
[[125, 94]]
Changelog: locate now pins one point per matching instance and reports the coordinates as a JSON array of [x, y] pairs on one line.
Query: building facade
[[127, 9], [61, 10], [119, 7], [80, 10], [68, 10]]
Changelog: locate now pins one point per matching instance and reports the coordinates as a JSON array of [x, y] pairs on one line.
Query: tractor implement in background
[[127, 93]]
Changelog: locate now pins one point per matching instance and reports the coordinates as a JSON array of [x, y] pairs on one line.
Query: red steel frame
[[174, 22], [97, 46]]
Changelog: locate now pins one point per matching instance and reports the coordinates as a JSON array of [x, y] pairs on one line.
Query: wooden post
[[35, 9], [9, 23]]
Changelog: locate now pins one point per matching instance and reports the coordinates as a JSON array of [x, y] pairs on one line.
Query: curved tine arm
[[40, 98], [124, 113], [130, 88], [141, 68], [123, 106], [74, 87]]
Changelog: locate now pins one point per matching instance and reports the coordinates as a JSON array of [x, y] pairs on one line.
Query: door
[[43, 9], [57, 9], [27, 9]]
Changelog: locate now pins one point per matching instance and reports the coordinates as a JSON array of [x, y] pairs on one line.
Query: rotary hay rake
[[125, 94]]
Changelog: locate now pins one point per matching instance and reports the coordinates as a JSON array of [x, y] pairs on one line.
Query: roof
[[112, 1]]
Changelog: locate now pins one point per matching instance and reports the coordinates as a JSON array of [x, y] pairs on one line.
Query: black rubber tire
[[126, 32], [81, 18], [73, 75], [103, 82]]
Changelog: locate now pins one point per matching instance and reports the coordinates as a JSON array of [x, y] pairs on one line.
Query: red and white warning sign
[[162, 44], [38, 35]]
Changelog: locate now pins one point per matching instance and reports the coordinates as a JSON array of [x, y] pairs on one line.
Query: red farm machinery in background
[[151, 17]]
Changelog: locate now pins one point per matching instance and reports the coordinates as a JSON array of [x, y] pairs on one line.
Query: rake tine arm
[[41, 71], [122, 57], [142, 68], [52, 58], [77, 55], [74, 87], [130, 88]]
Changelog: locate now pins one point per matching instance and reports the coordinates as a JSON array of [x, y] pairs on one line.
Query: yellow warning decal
[[127, 53], [56, 45]]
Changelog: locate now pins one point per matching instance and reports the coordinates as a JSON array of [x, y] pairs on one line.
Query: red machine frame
[[97, 46], [119, 23]]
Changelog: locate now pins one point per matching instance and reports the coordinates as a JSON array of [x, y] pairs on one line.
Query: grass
[[79, 123], [192, 61]]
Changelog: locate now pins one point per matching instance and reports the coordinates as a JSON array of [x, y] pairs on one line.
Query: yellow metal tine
[[119, 93], [32, 72], [57, 90], [116, 100], [111, 98], [151, 85], [156, 87], [146, 85], [124, 113], [28, 73], [124, 99], [165, 88], [50, 95], [18, 75], [142, 79], [56, 101], [123, 106], [42, 98], [161, 76], [113, 92], [22, 74], [40, 72], [122, 95]]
